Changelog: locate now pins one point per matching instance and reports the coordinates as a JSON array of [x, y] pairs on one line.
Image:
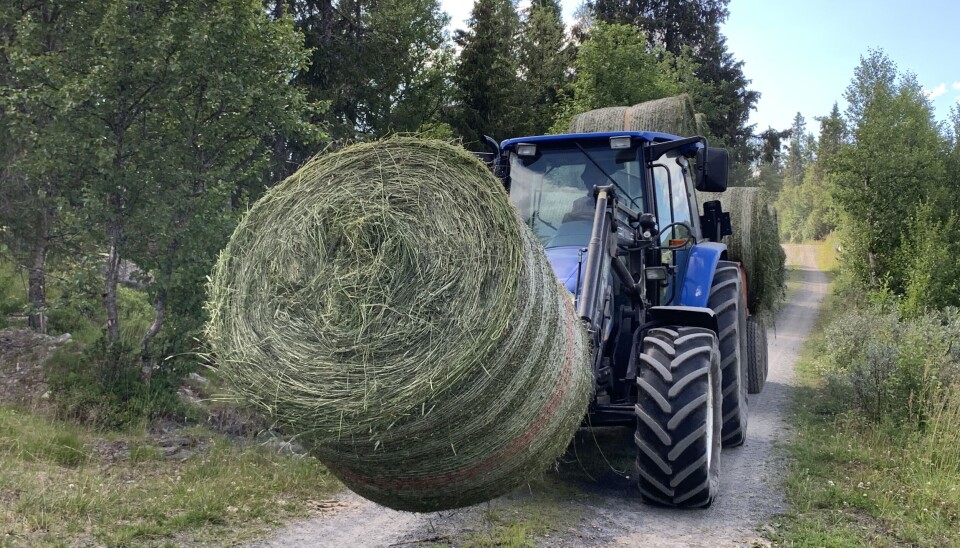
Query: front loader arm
[[591, 305]]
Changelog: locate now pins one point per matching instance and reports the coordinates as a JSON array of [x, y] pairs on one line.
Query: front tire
[[678, 417], [728, 303]]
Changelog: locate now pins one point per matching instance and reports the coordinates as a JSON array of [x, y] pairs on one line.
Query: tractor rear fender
[[698, 276]]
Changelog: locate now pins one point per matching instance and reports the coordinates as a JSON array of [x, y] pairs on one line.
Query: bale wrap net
[[387, 305], [755, 242]]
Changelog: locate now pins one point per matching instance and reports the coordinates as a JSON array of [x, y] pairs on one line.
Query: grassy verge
[[828, 259], [63, 485], [853, 482]]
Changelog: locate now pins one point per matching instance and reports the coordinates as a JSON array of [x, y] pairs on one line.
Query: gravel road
[[607, 511]]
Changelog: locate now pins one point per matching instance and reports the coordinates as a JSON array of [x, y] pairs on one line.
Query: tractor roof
[[649, 136]]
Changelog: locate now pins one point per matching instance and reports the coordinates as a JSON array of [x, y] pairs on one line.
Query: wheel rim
[[710, 418]]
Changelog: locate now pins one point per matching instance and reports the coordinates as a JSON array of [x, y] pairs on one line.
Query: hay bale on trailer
[[675, 115], [703, 128], [755, 243], [386, 304]]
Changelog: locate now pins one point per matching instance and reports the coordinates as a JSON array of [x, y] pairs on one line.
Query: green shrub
[[931, 258], [896, 369], [101, 386]]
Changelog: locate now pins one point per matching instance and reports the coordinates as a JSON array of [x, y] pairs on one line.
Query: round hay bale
[[675, 115], [387, 305], [755, 242], [601, 119]]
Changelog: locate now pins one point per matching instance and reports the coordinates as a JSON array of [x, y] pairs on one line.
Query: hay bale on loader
[[674, 115], [755, 243], [386, 304]]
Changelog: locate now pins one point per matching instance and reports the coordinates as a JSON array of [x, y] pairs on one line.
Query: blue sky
[[801, 55]]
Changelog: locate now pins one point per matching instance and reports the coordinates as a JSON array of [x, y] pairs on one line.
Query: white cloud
[[936, 92], [956, 86]]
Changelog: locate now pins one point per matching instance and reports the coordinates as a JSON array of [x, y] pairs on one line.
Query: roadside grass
[[828, 256], [57, 488], [851, 482]]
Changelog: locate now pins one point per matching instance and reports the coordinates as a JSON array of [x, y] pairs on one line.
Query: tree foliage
[[800, 152], [485, 75], [692, 28], [545, 59], [615, 66], [895, 162], [380, 66], [32, 189], [148, 144], [885, 175], [672, 24]]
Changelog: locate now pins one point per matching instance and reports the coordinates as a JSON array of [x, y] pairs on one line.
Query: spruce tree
[[486, 73], [796, 162], [545, 63]]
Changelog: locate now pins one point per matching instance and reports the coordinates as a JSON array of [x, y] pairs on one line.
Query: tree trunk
[[326, 24], [37, 291], [110, 277], [146, 360]]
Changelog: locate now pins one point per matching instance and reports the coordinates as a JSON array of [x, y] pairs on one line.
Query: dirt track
[[605, 510]]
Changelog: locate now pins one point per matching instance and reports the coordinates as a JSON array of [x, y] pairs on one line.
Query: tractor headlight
[[526, 149], [655, 273]]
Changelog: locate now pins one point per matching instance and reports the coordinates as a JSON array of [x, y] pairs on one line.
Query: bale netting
[[675, 115], [387, 305], [755, 242]]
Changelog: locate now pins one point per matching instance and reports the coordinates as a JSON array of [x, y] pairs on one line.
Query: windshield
[[554, 189]]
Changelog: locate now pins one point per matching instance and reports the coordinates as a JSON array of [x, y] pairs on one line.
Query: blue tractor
[[665, 310]]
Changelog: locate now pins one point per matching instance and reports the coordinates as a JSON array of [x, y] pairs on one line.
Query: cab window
[[672, 200]]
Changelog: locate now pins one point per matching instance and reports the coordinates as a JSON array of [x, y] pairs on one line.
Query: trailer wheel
[[756, 354], [678, 417], [726, 300]]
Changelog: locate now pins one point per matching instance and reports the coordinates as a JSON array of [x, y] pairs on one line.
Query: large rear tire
[[756, 354], [678, 417], [728, 303]]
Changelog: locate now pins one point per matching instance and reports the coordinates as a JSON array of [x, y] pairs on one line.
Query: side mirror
[[712, 169], [498, 163]]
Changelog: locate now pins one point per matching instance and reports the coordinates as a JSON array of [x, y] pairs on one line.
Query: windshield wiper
[[607, 175]]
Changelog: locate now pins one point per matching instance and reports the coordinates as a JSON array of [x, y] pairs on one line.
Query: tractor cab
[[552, 181]]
